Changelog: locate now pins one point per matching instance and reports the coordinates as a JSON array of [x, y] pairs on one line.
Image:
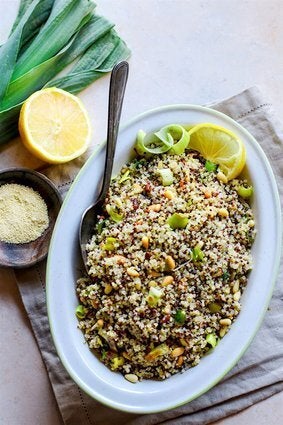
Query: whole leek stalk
[[47, 36]]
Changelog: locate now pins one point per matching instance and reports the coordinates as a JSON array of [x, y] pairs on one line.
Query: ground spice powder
[[23, 214]]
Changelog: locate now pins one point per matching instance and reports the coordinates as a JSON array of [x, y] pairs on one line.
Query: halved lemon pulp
[[54, 125]]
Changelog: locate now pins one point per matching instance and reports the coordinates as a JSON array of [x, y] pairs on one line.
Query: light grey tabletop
[[183, 51]]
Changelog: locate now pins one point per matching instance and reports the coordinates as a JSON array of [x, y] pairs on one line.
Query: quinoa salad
[[168, 262]]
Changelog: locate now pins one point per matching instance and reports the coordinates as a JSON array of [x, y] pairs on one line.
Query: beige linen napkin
[[258, 375]]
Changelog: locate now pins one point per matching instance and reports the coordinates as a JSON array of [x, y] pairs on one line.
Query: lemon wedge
[[54, 125], [219, 145]]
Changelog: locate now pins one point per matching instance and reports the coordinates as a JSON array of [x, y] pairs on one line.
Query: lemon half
[[54, 125], [219, 145]]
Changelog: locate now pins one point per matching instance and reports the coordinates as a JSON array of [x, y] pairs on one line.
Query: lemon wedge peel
[[219, 145], [54, 125]]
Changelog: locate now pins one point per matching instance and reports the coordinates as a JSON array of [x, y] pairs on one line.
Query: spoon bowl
[[117, 88]]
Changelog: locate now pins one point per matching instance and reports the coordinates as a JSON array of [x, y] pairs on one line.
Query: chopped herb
[[100, 225], [226, 276], [103, 354], [125, 176], [210, 166], [180, 317], [197, 254]]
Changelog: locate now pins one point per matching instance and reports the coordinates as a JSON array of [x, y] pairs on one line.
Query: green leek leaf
[[37, 77], [9, 123], [34, 24], [74, 82], [61, 25], [9, 51]]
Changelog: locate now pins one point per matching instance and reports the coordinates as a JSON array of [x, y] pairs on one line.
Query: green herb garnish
[[180, 317], [210, 166]]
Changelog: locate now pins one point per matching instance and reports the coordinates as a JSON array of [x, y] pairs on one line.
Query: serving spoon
[[118, 83]]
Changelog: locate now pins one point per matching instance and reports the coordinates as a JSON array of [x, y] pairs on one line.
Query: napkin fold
[[259, 373]]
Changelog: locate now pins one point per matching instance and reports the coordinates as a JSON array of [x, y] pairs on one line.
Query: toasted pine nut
[[223, 212], [120, 259], [137, 189], [225, 322], [200, 244], [170, 262], [108, 289], [153, 273], [126, 355], [178, 351], [145, 242], [167, 280], [180, 361], [207, 194], [221, 177], [218, 272], [94, 303], [184, 342], [138, 285], [169, 194], [152, 283], [167, 309], [132, 378], [154, 207], [100, 323], [237, 296], [132, 272], [236, 287], [223, 331]]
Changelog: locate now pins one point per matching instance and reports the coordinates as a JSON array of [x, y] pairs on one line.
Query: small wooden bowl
[[28, 254]]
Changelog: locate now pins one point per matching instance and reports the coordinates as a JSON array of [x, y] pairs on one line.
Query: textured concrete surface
[[184, 51]]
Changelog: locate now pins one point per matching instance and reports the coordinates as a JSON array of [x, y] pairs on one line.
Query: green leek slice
[[166, 175], [197, 254], [175, 134], [113, 214], [125, 176], [178, 221], [173, 138], [211, 340], [245, 192], [110, 245], [81, 311]]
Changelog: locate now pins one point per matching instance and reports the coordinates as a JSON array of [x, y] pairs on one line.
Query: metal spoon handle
[[118, 82]]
